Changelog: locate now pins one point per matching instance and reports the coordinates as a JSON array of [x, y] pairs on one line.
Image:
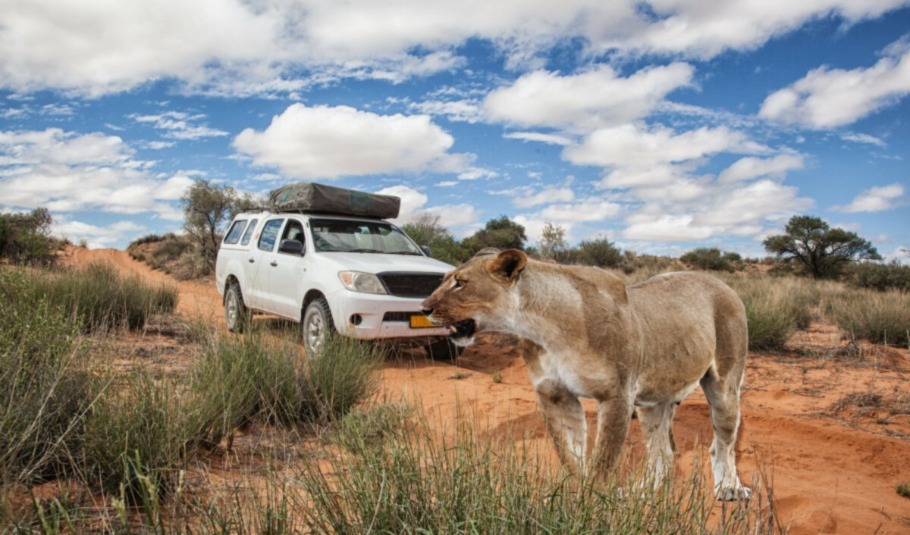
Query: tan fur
[[584, 333]]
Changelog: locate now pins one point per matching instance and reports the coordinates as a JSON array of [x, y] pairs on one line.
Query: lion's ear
[[508, 264]]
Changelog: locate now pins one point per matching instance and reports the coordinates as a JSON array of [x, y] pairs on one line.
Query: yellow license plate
[[419, 321]]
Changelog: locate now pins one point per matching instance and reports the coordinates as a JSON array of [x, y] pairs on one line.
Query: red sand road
[[830, 474]]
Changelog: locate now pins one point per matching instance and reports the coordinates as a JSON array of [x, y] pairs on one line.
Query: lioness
[[584, 333]]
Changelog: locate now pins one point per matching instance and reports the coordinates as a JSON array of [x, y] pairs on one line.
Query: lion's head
[[478, 295]]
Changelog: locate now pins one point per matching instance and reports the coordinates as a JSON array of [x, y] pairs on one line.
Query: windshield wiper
[[363, 251], [407, 253]]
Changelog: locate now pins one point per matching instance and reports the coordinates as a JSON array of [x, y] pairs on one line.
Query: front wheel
[[236, 314], [316, 326]]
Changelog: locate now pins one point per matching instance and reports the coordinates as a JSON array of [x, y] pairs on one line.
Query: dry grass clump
[[880, 317], [64, 415], [97, 296], [47, 385], [258, 377], [418, 481], [776, 307]]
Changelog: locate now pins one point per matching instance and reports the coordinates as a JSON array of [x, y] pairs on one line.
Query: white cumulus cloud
[[545, 196], [828, 98], [703, 29], [330, 142], [638, 147], [67, 171], [413, 205], [750, 167], [587, 100], [241, 48], [876, 199]]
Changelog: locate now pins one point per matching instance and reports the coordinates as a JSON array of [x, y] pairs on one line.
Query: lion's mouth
[[462, 332]]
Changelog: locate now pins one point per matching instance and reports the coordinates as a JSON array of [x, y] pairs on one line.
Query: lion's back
[[680, 301]]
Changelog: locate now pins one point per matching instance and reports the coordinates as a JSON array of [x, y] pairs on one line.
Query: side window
[[270, 234], [233, 235], [249, 232], [293, 231]]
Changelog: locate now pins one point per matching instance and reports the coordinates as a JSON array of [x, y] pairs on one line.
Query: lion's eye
[[459, 283]]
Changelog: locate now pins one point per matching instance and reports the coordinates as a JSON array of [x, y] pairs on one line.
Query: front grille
[[411, 284]]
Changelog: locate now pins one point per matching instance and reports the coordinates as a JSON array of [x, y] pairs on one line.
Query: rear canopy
[[319, 198]]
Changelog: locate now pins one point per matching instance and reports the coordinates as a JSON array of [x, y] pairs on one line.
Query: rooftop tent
[[317, 198]]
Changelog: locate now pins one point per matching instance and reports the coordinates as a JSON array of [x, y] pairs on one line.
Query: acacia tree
[[207, 208], [552, 242], [821, 250]]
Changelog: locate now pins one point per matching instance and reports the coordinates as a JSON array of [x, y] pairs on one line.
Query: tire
[[443, 349], [236, 314], [315, 326]]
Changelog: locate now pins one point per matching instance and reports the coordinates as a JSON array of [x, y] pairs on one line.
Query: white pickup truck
[[359, 277]]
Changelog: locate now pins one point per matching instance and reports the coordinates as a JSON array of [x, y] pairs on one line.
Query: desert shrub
[[240, 379], [137, 437], [243, 379], [633, 262], [25, 238], [880, 317], [342, 376], [598, 252], [711, 259], [46, 383], [150, 238], [775, 307], [171, 250], [881, 277]]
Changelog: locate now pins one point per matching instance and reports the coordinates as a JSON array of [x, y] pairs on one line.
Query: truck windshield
[[340, 236]]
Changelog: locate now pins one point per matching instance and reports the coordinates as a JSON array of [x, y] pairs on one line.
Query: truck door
[[257, 293], [247, 266], [285, 271]]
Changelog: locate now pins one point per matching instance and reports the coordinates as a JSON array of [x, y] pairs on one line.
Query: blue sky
[[662, 125]]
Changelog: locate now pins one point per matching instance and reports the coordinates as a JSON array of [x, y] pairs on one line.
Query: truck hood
[[379, 263]]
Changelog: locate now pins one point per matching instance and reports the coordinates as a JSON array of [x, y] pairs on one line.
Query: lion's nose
[[426, 307]]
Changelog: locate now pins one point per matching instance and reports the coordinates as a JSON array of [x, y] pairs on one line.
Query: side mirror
[[291, 247], [426, 250]]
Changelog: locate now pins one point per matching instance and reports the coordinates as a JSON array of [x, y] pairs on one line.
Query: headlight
[[357, 281]]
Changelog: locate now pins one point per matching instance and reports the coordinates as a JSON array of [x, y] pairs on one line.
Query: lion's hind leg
[[657, 427], [565, 420], [723, 398]]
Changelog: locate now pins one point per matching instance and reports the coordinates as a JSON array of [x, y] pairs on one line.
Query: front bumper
[[372, 310]]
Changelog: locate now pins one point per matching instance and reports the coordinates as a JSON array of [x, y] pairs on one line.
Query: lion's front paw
[[732, 494]]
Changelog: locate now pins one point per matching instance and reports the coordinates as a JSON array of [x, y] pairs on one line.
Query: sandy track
[[829, 475]]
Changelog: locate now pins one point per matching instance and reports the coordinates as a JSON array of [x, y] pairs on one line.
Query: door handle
[[250, 260], [274, 263]]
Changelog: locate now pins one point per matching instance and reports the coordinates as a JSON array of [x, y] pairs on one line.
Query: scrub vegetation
[[248, 434]]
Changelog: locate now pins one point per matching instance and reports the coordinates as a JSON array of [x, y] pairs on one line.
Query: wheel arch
[[311, 296], [227, 284]]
